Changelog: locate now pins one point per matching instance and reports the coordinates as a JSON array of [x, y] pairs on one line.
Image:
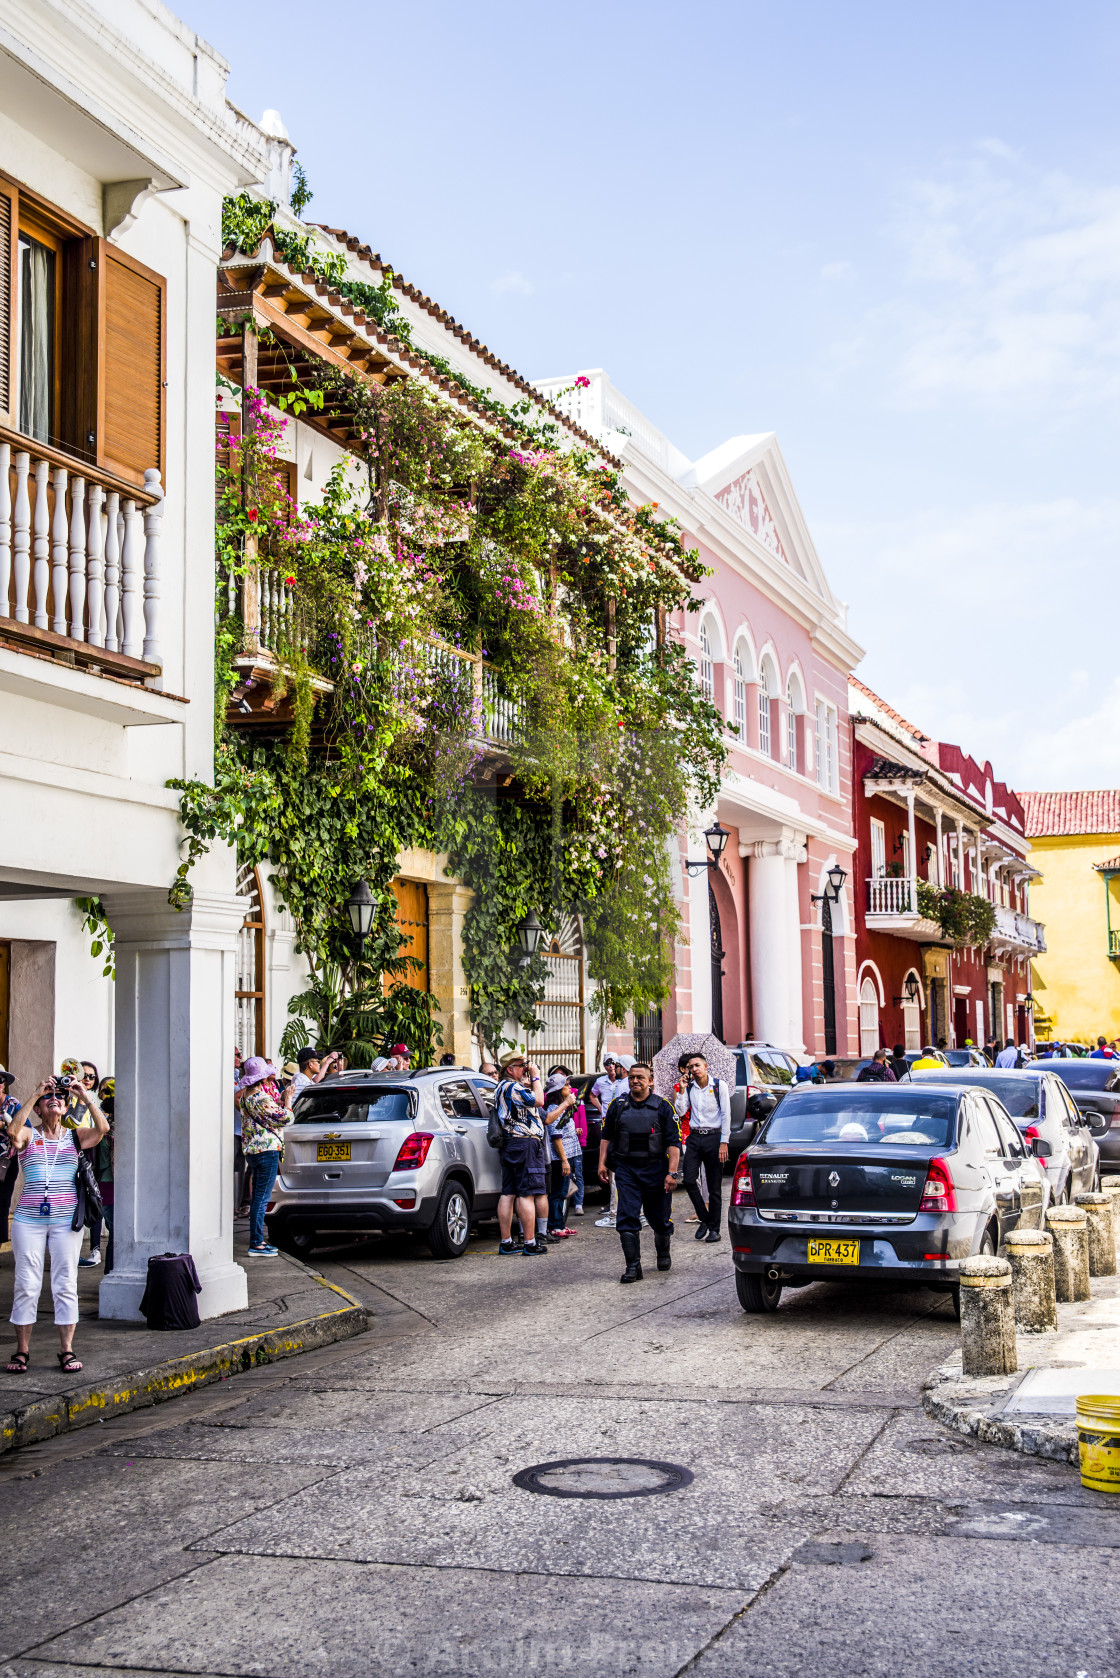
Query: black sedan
[[1095, 1088], [878, 1183]]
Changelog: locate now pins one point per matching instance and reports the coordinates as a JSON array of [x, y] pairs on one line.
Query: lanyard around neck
[[50, 1168]]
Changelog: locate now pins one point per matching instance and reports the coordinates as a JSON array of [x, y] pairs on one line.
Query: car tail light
[[1030, 1134], [742, 1189], [414, 1151], [939, 1195], [407, 1201]]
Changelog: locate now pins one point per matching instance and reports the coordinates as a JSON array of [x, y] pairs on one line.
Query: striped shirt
[[48, 1161]]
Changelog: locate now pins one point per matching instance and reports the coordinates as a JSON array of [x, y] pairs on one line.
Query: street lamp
[[529, 935], [831, 892], [715, 837], [361, 906], [912, 989]]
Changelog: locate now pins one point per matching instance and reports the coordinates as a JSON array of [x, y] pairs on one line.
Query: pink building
[[769, 953]]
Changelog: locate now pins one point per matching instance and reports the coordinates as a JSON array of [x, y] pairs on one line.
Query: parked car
[[1095, 1088], [763, 1075], [878, 1183], [1043, 1109], [387, 1151], [965, 1057], [848, 1071]]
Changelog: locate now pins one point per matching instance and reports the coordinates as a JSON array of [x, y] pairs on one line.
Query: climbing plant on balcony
[[498, 542], [964, 917]]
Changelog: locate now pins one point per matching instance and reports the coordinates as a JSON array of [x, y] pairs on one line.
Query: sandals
[[18, 1364], [68, 1363]]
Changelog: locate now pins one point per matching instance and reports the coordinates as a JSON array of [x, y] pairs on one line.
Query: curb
[[972, 1405], [98, 1401]]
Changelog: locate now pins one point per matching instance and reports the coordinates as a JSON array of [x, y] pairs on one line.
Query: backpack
[[501, 1115]]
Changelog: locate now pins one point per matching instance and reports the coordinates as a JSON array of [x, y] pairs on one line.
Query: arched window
[[707, 684], [249, 993], [791, 724], [868, 1017], [740, 697], [763, 713]]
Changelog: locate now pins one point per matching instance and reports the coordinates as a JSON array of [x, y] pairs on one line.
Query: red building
[[935, 832]]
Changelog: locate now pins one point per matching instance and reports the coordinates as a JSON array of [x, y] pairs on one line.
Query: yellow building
[[1075, 844]]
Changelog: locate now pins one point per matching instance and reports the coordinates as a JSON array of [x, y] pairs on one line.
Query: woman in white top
[[48, 1153]]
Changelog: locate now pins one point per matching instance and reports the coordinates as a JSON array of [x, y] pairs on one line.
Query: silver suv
[[387, 1151]]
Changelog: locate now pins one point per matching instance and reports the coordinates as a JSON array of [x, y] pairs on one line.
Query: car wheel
[[451, 1230], [299, 1242], [987, 1247], [757, 1293], [1096, 1189], [1062, 1199]]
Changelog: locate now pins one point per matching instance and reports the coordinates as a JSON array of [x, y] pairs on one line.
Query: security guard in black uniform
[[641, 1144]]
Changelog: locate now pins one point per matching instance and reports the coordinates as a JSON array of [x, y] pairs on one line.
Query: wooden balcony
[[79, 561]]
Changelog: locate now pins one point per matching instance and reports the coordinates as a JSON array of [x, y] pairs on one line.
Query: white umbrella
[[720, 1059]]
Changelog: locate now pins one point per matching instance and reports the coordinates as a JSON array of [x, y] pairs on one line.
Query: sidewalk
[[127, 1366], [1033, 1410]]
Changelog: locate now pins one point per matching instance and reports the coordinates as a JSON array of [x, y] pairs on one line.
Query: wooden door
[[5, 1004], [412, 919]]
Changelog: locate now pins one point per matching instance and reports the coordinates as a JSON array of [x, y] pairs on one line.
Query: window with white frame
[[791, 727], [740, 696], [707, 684], [763, 712], [878, 849], [868, 1017], [827, 746]]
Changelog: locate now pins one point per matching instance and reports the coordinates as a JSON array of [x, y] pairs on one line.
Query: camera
[[63, 1083]]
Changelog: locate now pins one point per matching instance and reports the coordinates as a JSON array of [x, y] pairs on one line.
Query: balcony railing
[[79, 558], [1114, 944], [497, 717], [892, 894], [1015, 928]]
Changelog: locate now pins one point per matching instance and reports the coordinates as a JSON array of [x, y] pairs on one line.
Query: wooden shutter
[[9, 220], [227, 425], [131, 435]]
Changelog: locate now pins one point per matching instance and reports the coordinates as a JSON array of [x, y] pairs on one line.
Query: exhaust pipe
[[773, 1275]]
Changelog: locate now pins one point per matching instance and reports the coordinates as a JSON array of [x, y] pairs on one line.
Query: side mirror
[[1039, 1148], [759, 1106]]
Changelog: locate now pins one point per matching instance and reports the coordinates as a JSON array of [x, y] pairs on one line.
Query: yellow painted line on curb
[[86, 1405]]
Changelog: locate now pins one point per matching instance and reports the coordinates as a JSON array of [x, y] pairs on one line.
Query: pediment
[[748, 478]]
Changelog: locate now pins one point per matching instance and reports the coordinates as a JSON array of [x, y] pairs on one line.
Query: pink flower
[[582, 383]]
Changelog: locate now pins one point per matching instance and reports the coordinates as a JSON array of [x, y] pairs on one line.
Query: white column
[[937, 861], [960, 855], [912, 888], [795, 1039], [768, 897], [173, 1164]]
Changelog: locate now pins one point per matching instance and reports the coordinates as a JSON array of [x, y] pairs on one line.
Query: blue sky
[[889, 233]]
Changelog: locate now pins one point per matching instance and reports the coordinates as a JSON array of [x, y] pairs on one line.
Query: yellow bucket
[[1098, 1442]]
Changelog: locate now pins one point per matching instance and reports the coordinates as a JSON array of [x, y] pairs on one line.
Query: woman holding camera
[[48, 1153]]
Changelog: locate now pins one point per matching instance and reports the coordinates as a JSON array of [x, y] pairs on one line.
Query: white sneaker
[[605, 1223], [578, 1212], [90, 1259]]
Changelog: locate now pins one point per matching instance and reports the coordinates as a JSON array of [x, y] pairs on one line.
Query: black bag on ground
[[169, 1299]]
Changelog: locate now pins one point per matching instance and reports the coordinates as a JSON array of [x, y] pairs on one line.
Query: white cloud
[[837, 271], [1009, 286], [512, 284], [993, 628]]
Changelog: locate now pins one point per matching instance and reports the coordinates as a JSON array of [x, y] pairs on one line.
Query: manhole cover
[[602, 1477]]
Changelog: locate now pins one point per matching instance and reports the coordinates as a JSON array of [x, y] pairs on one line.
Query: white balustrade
[[77, 557], [39, 541], [891, 894]]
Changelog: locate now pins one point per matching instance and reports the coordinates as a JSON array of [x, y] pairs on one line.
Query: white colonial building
[[117, 145]]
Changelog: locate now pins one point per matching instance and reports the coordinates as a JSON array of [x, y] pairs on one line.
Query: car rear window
[[1087, 1074], [351, 1107], [1018, 1095], [919, 1121]]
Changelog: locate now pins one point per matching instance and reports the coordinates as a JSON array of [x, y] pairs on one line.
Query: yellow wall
[[1075, 982]]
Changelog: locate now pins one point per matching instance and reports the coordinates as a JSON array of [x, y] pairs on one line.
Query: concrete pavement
[[354, 1511]]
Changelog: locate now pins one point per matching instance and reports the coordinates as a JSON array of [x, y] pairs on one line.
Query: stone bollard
[[1069, 1227], [987, 1317], [1031, 1254], [1111, 1186], [1099, 1211]]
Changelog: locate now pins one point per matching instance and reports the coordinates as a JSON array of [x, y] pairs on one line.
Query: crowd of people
[[56, 1163]]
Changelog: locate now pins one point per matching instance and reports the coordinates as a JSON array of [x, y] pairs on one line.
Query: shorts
[[524, 1167]]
